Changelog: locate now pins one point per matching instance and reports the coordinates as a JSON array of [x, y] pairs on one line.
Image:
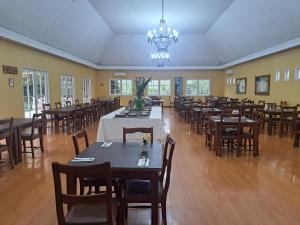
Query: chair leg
[[31, 146], [42, 143], [164, 212], [24, 145]]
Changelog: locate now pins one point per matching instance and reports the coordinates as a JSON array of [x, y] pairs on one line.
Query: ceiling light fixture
[[160, 58], [162, 37]]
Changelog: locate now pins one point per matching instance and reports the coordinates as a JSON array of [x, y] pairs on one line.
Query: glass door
[[86, 90], [35, 90]]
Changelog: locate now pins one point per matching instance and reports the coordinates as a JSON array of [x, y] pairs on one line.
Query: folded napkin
[[106, 144], [78, 159], [143, 162]]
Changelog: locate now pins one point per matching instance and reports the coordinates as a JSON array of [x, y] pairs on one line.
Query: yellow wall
[[216, 77], [11, 54], [283, 90]]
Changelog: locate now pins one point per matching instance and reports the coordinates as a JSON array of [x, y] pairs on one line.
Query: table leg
[[154, 204], [68, 124], [15, 147], [270, 124], [255, 140]]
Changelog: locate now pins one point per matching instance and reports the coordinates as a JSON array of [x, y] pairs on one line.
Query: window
[[198, 87], [86, 89], [228, 81], [159, 87], [233, 80], [287, 73], [35, 90], [67, 88], [120, 87], [297, 73], [277, 75]]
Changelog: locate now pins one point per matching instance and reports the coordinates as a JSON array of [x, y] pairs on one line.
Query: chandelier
[[162, 37], [160, 58]]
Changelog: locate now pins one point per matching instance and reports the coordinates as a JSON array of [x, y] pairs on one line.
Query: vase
[[139, 103]]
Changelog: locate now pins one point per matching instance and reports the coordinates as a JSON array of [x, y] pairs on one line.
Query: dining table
[[111, 125], [65, 112], [245, 122], [18, 125], [124, 161]]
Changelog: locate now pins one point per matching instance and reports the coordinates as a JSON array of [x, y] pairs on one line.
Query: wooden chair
[[36, 133], [229, 134], [68, 103], [7, 135], [171, 102], [139, 191], [85, 182], [90, 209], [287, 119], [58, 105], [210, 130], [145, 130], [49, 118], [296, 133]]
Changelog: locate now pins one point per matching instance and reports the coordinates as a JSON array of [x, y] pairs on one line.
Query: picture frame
[[262, 85], [11, 82], [241, 85], [178, 86]]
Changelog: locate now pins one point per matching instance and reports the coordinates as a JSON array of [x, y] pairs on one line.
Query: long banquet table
[[111, 127], [123, 160]]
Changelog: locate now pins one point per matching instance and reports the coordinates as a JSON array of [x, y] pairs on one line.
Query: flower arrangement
[[140, 84], [146, 139]]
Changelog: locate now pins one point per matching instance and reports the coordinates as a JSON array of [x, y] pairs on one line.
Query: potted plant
[[141, 84]]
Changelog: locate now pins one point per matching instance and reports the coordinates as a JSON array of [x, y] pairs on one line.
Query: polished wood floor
[[205, 189]]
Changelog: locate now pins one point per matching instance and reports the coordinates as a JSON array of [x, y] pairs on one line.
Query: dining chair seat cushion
[[87, 214], [140, 187]]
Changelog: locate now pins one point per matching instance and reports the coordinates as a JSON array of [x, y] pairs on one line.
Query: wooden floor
[[205, 189]]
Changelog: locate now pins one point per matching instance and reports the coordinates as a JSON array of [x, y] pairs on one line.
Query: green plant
[[140, 87]]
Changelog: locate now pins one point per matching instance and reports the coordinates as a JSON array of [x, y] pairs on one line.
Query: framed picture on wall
[[262, 85], [11, 82], [178, 86], [241, 85]]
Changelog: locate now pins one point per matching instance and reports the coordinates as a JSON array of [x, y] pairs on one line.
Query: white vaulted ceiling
[[113, 32]]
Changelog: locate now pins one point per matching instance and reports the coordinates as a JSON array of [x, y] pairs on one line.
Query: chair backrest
[[99, 171], [283, 103], [271, 105], [37, 124], [230, 122], [165, 174], [261, 102], [80, 135], [68, 103], [57, 105], [145, 130], [7, 131], [46, 106], [288, 111]]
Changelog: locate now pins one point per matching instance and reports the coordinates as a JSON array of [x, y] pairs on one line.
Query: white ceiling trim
[[13, 36], [10, 35], [277, 48]]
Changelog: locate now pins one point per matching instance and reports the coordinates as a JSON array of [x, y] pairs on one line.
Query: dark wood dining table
[[18, 125], [245, 122], [66, 112], [123, 158]]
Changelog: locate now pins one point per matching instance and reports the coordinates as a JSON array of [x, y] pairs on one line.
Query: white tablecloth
[[111, 128]]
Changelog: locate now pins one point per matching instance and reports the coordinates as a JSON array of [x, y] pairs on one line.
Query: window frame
[[159, 87], [73, 88], [83, 80], [198, 93], [277, 75], [121, 92], [287, 78], [297, 73]]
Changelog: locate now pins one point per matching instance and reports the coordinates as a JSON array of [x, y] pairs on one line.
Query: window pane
[[191, 87], [165, 88], [126, 87], [153, 87]]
